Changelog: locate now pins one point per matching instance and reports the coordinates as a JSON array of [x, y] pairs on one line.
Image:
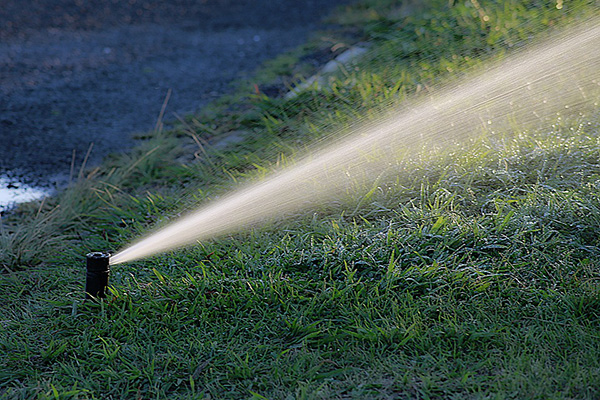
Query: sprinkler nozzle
[[97, 275]]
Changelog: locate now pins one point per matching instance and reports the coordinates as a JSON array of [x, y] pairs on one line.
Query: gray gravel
[[75, 72]]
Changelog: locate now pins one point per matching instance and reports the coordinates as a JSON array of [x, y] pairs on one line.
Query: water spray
[[562, 74], [96, 279]]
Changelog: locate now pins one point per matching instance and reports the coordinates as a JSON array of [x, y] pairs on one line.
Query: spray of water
[[563, 74]]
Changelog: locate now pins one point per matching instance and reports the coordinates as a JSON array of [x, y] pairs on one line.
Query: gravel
[[75, 72]]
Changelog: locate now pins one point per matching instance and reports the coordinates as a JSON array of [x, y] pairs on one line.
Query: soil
[[75, 72]]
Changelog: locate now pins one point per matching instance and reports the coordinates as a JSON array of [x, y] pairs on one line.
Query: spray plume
[[537, 83]]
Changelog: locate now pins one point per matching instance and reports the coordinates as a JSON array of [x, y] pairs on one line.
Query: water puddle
[[13, 192]]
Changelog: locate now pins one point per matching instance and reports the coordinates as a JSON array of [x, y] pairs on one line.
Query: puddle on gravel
[[13, 192]]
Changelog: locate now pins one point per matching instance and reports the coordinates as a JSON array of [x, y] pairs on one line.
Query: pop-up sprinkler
[[97, 275]]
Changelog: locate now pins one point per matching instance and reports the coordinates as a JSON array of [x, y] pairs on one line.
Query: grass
[[473, 274]]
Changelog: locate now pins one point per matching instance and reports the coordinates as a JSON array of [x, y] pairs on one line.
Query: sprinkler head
[[97, 275]]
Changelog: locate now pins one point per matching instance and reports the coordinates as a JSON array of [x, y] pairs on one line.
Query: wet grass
[[472, 274]]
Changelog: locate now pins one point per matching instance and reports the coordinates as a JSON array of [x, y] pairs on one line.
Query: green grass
[[473, 274]]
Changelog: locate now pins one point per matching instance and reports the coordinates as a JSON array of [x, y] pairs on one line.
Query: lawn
[[473, 271]]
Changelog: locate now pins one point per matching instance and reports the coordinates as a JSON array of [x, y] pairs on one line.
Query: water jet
[[96, 279], [521, 93]]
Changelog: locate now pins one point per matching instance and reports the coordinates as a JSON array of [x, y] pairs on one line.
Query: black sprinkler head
[[97, 275]]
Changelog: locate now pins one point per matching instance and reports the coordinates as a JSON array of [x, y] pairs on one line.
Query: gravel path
[[75, 72]]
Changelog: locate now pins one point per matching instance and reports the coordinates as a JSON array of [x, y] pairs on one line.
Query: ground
[[72, 74]]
